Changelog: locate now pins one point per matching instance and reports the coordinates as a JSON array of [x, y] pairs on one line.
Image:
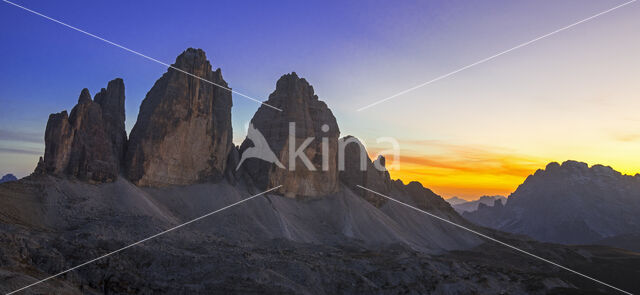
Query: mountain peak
[[312, 119], [571, 167], [183, 133], [89, 143], [359, 170], [8, 177], [192, 54], [455, 200], [571, 164], [194, 61], [85, 96], [574, 200], [292, 89]]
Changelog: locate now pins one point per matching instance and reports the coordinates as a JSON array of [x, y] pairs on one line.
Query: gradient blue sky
[[571, 96]]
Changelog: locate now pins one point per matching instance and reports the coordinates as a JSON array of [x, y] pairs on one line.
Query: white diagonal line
[[144, 240], [494, 56], [495, 240], [139, 54]]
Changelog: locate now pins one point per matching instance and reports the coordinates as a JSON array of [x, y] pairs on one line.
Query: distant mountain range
[[461, 205], [8, 177], [572, 204]]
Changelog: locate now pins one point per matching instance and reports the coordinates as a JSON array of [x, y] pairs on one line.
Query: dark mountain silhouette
[[8, 177], [95, 192], [90, 142], [569, 203], [468, 206]]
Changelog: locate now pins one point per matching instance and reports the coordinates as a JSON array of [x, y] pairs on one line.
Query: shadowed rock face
[[89, 143], [8, 177], [569, 203], [360, 170], [426, 199], [300, 105], [183, 133], [112, 102]]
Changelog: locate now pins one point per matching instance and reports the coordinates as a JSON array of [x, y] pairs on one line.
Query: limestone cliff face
[[312, 119], [58, 137], [89, 143], [183, 133], [360, 170], [112, 102]]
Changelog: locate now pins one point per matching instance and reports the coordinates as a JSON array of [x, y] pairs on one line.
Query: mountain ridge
[[461, 205], [588, 204]]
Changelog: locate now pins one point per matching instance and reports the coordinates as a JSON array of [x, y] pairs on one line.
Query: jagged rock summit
[[112, 102], [89, 143], [357, 169], [468, 206], [569, 203], [312, 123], [183, 134]]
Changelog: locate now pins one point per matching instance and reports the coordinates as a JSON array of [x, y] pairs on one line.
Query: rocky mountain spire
[[112, 102], [360, 170], [309, 118], [183, 133], [88, 143]]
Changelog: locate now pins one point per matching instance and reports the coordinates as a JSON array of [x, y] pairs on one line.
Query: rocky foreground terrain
[[272, 244], [96, 191]]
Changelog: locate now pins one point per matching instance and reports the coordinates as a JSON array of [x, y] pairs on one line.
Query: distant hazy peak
[[8, 177], [455, 201], [461, 205]]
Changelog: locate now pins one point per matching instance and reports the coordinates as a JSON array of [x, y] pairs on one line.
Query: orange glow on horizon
[[471, 171], [467, 172]]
